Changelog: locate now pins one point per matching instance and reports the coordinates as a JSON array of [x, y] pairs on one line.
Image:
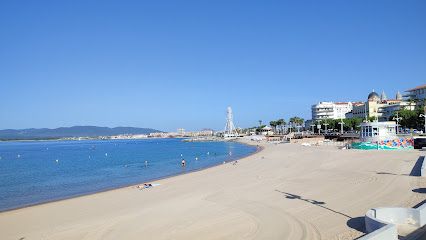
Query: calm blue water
[[36, 172]]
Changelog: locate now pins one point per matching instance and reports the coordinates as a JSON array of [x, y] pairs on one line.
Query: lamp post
[[319, 127], [397, 119], [341, 123], [326, 124], [298, 128]]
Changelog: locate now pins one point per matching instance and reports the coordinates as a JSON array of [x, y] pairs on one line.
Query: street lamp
[[341, 125], [326, 124], [298, 128], [319, 127], [312, 126], [397, 118]]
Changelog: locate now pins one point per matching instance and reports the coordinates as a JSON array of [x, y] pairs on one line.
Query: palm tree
[[296, 121], [281, 122], [274, 125]]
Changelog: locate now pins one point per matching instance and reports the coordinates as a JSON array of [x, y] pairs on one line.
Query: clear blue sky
[[170, 64]]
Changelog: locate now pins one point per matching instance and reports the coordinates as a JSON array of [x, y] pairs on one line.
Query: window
[[375, 131]]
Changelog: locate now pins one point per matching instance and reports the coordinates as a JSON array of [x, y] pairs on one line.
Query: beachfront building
[[202, 133], [377, 131], [382, 135], [266, 131], [417, 94], [330, 110], [379, 107], [387, 111], [370, 108]]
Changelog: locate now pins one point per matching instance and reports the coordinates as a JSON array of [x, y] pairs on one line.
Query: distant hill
[[76, 131]]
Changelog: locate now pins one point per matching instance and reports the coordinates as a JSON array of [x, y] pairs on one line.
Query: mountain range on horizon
[[75, 131]]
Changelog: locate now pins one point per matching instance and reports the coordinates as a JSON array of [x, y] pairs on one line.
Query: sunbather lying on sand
[[145, 185]]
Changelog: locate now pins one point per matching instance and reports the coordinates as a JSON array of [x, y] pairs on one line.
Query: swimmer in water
[[183, 163]]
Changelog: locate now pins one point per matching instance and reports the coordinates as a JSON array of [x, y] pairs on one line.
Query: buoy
[[57, 160], [208, 153], [146, 163], [181, 155], [196, 158], [106, 154], [19, 155]]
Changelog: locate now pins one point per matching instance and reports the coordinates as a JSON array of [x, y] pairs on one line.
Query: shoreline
[[84, 139], [258, 150], [282, 191]]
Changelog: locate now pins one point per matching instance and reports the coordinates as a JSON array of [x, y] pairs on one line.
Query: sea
[[34, 172]]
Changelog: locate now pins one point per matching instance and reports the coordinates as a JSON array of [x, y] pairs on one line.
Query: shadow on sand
[[388, 173], [419, 190], [357, 223], [415, 172], [311, 201], [354, 223], [417, 167]]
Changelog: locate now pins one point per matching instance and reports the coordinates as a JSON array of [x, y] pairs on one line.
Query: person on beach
[[183, 163], [145, 185]]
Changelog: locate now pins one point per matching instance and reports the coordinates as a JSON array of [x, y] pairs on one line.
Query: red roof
[[416, 88]]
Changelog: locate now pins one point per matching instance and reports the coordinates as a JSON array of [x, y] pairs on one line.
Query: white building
[[417, 94], [266, 131], [330, 110], [379, 107], [341, 108], [387, 111], [377, 131]]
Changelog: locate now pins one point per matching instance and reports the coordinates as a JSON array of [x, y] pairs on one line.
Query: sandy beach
[[285, 191]]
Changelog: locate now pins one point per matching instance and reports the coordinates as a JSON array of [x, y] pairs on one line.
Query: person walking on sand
[[183, 163]]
